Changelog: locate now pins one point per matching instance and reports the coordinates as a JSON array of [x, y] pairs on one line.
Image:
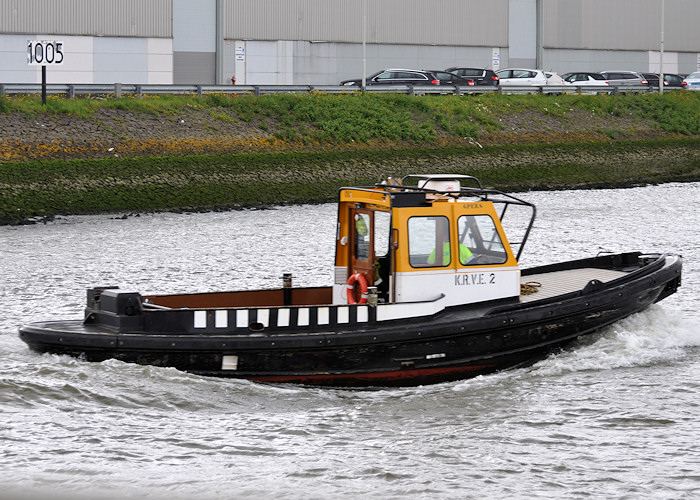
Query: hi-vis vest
[[464, 254]]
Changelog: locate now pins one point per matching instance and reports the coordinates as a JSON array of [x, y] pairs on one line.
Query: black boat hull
[[456, 343]]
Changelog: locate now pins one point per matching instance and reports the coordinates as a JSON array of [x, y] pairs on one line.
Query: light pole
[[364, 43], [661, 52], [219, 47]]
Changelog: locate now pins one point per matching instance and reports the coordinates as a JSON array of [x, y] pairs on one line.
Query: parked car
[[671, 80], [412, 77], [651, 78], [480, 76], [584, 78], [521, 77], [692, 81], [553, 78], [447, 78], [619, 78], [397, 77]]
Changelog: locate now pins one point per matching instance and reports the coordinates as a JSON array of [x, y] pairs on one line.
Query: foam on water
[[652, 336]]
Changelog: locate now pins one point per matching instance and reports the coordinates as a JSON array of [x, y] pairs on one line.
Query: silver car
[[619, 78], [692, 81]]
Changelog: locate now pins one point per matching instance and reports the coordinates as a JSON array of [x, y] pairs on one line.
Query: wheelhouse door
[[362, 244], [370, 249]]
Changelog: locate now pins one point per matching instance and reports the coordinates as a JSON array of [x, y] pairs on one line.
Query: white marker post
[[43, 53]]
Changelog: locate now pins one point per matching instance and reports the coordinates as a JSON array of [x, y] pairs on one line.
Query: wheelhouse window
[[382, 233], [479, 241], [362, 236], [429, 242]]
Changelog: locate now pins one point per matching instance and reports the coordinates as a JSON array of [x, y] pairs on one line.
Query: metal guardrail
[[130, 90]]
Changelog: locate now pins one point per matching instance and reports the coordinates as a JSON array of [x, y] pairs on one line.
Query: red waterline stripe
[[374, 376]]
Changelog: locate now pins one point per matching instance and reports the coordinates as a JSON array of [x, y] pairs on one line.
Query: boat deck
[[561, 282]]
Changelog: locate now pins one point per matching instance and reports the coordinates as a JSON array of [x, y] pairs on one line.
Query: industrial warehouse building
[[321, 42]]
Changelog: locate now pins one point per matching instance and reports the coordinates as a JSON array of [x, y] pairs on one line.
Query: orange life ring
[[357, 278]]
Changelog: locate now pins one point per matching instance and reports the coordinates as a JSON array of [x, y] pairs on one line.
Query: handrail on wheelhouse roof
[[442, 177]]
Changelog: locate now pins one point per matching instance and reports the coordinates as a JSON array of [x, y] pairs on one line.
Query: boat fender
[[360, 280]]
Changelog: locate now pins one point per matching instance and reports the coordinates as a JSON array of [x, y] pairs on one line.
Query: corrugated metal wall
[[621, 24], [129, 18], [438, 22]]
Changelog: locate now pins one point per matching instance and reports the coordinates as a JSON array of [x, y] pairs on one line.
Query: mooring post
[[372, 296]]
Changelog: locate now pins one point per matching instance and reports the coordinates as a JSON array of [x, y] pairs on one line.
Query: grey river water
[[615, 416]]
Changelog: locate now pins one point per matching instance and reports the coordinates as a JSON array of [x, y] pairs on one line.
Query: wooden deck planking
[[560, 282]]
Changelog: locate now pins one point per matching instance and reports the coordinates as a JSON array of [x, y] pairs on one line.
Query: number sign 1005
[[42, 52]]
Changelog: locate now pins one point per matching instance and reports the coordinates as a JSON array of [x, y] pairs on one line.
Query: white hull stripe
[[257, 319], [279, 317]]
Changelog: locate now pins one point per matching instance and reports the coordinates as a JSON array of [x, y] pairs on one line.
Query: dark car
[[397, 77], [480, 76], [448, 78], [671, 80]]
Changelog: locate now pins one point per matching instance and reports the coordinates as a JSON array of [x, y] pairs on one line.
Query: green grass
[[358, 117], [222, 116], [32, 105]]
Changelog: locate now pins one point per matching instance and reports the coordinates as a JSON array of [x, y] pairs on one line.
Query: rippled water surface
[[615, 416]]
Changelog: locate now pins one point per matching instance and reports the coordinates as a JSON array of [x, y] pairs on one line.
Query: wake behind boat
[[427, 289]]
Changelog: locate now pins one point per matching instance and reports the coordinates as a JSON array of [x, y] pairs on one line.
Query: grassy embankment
[[301, 148]]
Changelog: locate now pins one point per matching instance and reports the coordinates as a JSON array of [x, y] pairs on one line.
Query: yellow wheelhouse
[[425, 241]]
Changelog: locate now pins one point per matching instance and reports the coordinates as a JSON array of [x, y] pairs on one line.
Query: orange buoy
[[357, 279]]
